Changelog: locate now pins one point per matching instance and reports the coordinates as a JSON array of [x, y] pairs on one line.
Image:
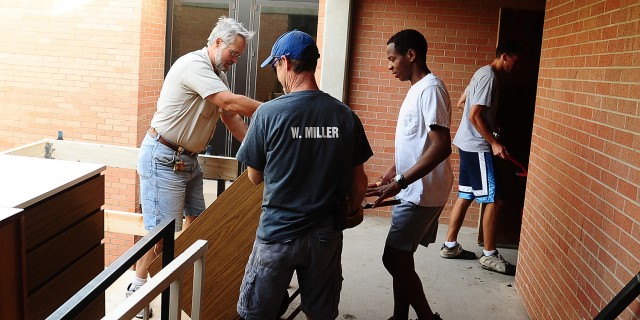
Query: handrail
[[169, 276], [621, 301], [83, 298]]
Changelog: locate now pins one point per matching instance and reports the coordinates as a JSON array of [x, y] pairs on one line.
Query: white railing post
[[174, 303], [198, 283], [169, 276]]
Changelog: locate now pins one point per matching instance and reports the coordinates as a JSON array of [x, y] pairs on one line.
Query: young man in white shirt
[[421, 177]]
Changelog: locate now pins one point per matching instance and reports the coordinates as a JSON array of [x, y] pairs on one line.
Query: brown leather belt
[[180, 150]]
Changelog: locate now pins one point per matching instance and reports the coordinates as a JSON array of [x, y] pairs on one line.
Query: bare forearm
[[475, 117], [234, 103], [243, 106], [255, 176], [437, 152], [358, 188], [235, 124], [482, 128]]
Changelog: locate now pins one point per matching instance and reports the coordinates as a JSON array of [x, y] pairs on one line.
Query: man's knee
[[395, 260]]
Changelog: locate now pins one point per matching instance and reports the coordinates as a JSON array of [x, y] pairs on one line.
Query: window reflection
[[274, 21]]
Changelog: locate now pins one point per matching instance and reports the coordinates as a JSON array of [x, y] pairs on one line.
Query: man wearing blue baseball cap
[[309, 149]]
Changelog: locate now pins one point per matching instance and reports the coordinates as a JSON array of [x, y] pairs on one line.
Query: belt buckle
[[182, 150]]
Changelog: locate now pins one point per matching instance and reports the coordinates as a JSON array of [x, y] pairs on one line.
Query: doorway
[[516, 108], [192, 21]]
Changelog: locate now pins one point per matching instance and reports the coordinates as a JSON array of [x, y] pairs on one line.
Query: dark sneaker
[[436, 316], [498, 264], [140, 314], [456, 253]]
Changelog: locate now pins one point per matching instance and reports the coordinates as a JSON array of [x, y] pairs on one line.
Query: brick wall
[[461, 36], [580, 240], [90, 69]]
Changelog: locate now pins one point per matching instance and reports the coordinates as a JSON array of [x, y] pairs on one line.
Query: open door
[[515, 117]]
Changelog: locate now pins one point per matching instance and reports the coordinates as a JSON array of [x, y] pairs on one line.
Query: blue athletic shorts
[[478, 177], [412, 225], [165, 193]]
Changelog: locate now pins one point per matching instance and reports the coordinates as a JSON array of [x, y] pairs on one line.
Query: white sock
[[450, 244], [137, 283], [488, 253]]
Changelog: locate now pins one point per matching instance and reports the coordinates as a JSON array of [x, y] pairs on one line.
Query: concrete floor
[[456, 289]]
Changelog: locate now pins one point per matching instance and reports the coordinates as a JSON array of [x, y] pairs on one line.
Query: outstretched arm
[[235, 124], [437, 152], [234, 103]]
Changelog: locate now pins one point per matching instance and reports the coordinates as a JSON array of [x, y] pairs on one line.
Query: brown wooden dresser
[[53, 247]]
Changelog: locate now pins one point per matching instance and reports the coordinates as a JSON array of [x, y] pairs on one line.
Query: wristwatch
[[399, 179]]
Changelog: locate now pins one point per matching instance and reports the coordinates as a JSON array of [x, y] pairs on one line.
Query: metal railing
[[169, 276], [83, 298], [621, 301]]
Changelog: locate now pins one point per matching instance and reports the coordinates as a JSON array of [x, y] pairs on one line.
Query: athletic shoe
[[498, 264], [456, 253], [140, 314]]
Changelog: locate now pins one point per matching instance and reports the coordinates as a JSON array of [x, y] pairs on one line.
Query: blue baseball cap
[[291, 44]]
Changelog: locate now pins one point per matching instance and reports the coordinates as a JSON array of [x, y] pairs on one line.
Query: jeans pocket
[[330, 239], [145, 161], [247, 289]]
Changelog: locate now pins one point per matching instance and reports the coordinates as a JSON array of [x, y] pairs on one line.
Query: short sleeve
[[252, 150], [201, 79], [362, 147], [435, 107], [482, 91]]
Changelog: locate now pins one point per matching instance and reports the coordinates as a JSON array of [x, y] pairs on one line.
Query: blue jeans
[[316, 259], [165, 193]]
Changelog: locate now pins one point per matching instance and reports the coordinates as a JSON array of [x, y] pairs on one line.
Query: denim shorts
[[316, 259], [164, 193], [413, 225]]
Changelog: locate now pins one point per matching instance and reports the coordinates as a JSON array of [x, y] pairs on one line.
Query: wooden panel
[[112, 156], [223, 168], [124, 222], [45, 261], [54, 293], [229, 225], [35, 149], [12, 278], [49, 217]]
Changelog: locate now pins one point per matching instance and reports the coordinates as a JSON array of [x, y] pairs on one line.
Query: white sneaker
[[498, 264], [140, 314]]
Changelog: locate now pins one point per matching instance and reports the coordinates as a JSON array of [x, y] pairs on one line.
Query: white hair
[[227, 29]]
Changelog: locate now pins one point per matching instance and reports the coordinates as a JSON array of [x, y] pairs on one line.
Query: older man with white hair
[[194, 95]]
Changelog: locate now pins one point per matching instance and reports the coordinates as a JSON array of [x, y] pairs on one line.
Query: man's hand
[[499, 150], [383, 191]]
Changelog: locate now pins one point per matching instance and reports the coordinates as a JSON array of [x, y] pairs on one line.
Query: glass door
[[272, 19], [192, 21]]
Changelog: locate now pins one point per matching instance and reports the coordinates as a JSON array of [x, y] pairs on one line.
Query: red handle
[[523, 171]]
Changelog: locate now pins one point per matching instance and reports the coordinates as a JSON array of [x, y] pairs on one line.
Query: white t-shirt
[[184, 115], [427, 103], [482, 90]]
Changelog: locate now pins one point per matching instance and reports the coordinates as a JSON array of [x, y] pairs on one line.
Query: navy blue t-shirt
[[306, 143]]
